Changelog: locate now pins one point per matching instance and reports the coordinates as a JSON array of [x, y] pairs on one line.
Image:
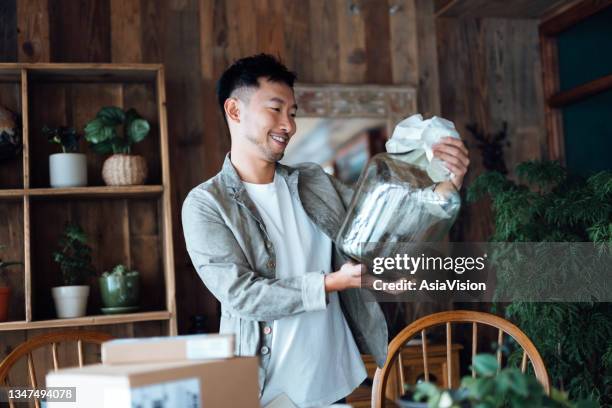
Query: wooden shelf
[[78, 73], [12, 194], [101, 191], [98, 191], [87, 321], [140, 234]]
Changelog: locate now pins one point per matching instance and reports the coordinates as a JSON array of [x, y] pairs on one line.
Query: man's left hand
[[455, 156]]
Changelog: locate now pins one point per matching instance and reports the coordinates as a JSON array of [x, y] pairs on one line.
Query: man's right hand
[[349, 276]]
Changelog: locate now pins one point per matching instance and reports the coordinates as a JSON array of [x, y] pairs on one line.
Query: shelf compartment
[[120, 231], [11, 169], [75, 104], [12, 233], [94, 320], [101, 191]]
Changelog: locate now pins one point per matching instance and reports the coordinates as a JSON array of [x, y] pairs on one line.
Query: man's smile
[[280, 139]]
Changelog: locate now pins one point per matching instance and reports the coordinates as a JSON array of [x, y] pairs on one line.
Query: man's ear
[[232, 109]]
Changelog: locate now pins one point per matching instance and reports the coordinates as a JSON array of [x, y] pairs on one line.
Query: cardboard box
[[190, 384], [176, 348]]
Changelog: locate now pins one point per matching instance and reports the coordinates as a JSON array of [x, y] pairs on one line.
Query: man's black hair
[[245, 72]]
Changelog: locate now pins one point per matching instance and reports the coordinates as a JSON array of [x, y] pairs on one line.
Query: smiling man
[[261, 237]]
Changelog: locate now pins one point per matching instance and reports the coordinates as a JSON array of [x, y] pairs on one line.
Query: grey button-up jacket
[[230, 249]]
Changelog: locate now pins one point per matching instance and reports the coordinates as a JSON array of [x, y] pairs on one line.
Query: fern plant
[[549, 205]]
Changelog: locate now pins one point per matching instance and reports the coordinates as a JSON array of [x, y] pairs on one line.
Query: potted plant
[[114, 131], [492, 388], [5, 289], [120, 290], [68, 168], [547, 204], [74, 259]]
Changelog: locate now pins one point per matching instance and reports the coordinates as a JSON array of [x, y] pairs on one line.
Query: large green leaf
[[485, 364], [138, 129], [111, 115], [96, 131]]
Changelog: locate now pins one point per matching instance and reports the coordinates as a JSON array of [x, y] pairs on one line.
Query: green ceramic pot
[[120, 290]]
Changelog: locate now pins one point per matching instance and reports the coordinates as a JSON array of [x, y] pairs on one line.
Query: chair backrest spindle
[[449, 343], [530, 353], [424, 348], [55, 359], [474, 345]]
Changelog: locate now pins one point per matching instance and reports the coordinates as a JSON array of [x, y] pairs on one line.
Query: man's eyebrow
[[281, 101]]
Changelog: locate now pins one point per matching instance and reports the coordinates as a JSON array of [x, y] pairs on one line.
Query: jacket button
[[267, 330], [268, 244], [265, 350], [271, 264]]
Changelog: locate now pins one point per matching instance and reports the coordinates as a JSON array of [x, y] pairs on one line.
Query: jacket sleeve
[[220, 262], [344, 190]]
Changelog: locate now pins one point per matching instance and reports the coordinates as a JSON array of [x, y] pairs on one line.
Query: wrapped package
[[402, 196]]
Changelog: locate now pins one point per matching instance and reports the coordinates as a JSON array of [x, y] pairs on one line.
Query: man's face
[[267, 120]]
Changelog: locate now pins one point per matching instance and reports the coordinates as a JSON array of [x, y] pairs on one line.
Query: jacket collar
[[232, 179], [238, 192]]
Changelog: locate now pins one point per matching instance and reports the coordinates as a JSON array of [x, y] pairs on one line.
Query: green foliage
[[74, 256], [64, 136], [494, 388], [114, 131], [120, 270], [552, 206]]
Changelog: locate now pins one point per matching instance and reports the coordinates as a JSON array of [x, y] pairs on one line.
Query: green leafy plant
[[74, 256], [552, 206], [114, 130], [494, 388], [120, 270], [3, 266], [66, 137]]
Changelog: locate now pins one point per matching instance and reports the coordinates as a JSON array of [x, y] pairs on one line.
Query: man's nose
[[288, 125]]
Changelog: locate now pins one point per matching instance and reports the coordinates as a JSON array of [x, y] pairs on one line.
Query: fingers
[[454, 164], [453, 154], [453, 142]]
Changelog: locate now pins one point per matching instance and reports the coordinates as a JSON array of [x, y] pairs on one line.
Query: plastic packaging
[[396, 201]]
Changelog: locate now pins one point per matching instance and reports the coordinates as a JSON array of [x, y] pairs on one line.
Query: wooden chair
[[381, 378], [44, 340]]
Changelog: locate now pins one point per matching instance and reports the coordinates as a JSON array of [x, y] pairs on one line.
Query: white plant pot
[[70, 301], [68, 170]]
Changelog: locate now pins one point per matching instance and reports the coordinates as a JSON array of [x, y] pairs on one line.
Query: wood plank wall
[[490, 73], [322, 40], [319, 39]]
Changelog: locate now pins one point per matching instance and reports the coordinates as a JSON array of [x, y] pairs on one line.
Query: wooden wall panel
[[126, 31], [298, 48], [8, 31], [80, 31], [403, 43], [377, 42], [490, 74], [319, 39], [33, 31], [324, 40], [352, 57], [428, 96]]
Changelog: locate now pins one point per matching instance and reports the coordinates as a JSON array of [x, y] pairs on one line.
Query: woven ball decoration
[[124, 170]]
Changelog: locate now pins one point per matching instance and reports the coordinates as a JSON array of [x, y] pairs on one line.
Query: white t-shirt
[[313, 356]]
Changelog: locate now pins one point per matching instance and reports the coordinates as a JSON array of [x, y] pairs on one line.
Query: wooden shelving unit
[[130, 225]]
